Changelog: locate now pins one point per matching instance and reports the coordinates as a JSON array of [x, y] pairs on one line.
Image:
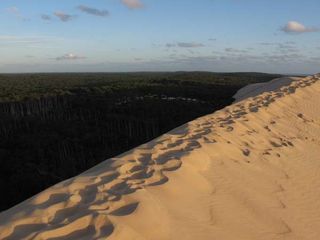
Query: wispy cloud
[[29, 41], [189, 45], [287, 47], [13, 10], [46, 17], [7, 39], [16, 12], [69, 56], [296, 27], [169, 45], [234, 50], [184, 45], [133, 4], [93, 11], [278, 44], [64, 17]]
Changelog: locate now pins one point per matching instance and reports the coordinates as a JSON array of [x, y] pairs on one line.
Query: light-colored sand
[[256, 89], [249, 171]]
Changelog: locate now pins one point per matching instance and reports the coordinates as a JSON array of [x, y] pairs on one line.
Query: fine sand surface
[[256, 89], [248, 172]]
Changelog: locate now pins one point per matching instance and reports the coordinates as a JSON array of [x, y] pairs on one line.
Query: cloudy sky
[[160, 35]]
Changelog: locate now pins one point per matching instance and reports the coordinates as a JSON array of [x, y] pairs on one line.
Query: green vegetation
[[54, 126]]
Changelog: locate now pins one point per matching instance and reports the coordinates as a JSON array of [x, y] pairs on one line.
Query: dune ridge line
[[248, 171]]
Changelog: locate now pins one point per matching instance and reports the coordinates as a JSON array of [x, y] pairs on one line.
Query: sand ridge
[[253, 90], [249, 171]]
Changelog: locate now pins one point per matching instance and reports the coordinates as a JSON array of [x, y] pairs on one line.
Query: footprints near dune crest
[[83, 207]]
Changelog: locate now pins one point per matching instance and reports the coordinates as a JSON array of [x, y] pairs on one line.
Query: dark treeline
[[54, 126]]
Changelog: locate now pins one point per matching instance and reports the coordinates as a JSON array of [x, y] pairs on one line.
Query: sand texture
[[248, 172]]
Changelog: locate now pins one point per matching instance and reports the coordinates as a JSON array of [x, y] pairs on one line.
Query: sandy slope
[[256, 89], [249, 171]]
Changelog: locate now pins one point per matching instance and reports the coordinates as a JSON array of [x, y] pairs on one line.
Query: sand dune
[[256, 89], [249, 171]]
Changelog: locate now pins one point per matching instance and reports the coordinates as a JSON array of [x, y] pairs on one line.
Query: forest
[[54, 126]]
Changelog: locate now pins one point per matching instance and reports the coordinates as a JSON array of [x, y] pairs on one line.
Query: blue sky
[[160, 35]]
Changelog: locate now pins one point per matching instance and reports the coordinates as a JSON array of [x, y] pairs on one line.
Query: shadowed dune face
[[254, 90], [249, 171]]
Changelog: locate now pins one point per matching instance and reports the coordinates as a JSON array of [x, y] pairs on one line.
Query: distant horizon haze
[[137, 72]]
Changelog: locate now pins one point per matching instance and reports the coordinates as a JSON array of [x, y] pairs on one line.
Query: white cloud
[[133, 4], [69, 56], [296, 27]]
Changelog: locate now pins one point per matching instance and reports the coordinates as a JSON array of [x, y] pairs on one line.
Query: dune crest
[[253, 90], [248, 171]]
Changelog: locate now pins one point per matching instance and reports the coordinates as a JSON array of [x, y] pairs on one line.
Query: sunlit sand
[[250, 171]]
